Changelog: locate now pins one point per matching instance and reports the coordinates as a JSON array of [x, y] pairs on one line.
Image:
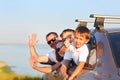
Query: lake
[[17, 57]]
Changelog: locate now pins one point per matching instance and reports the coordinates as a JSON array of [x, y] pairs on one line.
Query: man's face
[[51, 39]]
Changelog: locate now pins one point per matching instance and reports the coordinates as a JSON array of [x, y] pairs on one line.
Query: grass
[[7, 74]]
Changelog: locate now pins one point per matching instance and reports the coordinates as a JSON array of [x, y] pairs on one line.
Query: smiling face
[[82, 36], [80, 40], [51, 39]]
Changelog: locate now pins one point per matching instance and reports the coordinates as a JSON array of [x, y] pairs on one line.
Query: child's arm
[[77, 70]]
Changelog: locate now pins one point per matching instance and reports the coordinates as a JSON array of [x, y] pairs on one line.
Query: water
[[17, 57]]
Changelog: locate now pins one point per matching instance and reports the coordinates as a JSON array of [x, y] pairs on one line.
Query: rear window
[[114, 40]]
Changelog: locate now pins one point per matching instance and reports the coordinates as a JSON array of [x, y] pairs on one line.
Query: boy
[[67, 34], [79, 50]]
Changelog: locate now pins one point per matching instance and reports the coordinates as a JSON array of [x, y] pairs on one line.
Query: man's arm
[[64, 69], [32, 43], [33, 63], [46, 69]]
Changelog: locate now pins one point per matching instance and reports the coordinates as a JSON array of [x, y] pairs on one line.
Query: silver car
[[104, 50]]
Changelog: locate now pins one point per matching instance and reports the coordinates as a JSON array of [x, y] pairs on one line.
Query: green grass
[[7, 74]]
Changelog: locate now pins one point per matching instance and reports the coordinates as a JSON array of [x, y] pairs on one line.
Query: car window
[[114, 40], [92, 57], [92, 42]]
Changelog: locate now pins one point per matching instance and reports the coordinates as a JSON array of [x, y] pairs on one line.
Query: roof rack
[[105, 16], [100, 20], [83, 22], [91, 21]]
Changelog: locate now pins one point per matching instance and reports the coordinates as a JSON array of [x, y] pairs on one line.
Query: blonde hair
[[83, 31]]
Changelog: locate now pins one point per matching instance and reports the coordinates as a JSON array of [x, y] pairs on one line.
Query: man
[[50, 58]]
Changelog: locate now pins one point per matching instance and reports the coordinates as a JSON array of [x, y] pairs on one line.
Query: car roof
[[112, 29], [100, 23]]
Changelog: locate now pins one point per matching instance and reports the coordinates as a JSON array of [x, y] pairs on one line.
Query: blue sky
[[20, 18]]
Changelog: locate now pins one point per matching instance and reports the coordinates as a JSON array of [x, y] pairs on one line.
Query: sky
[[20, 18]]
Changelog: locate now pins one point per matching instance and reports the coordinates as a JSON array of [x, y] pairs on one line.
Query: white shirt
[[52, 56], [68, 56], [80, 54]]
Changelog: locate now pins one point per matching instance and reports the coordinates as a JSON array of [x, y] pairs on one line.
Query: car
[[105, 51]]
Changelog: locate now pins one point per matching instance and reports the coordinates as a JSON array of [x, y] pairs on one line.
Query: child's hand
[[32, 40], [67, 43]]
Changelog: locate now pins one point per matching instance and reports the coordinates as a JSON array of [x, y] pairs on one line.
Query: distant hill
[[2, 64], [7, 74]]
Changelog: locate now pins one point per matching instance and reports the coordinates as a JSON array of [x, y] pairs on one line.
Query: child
[[67, 34], [80, 50]]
